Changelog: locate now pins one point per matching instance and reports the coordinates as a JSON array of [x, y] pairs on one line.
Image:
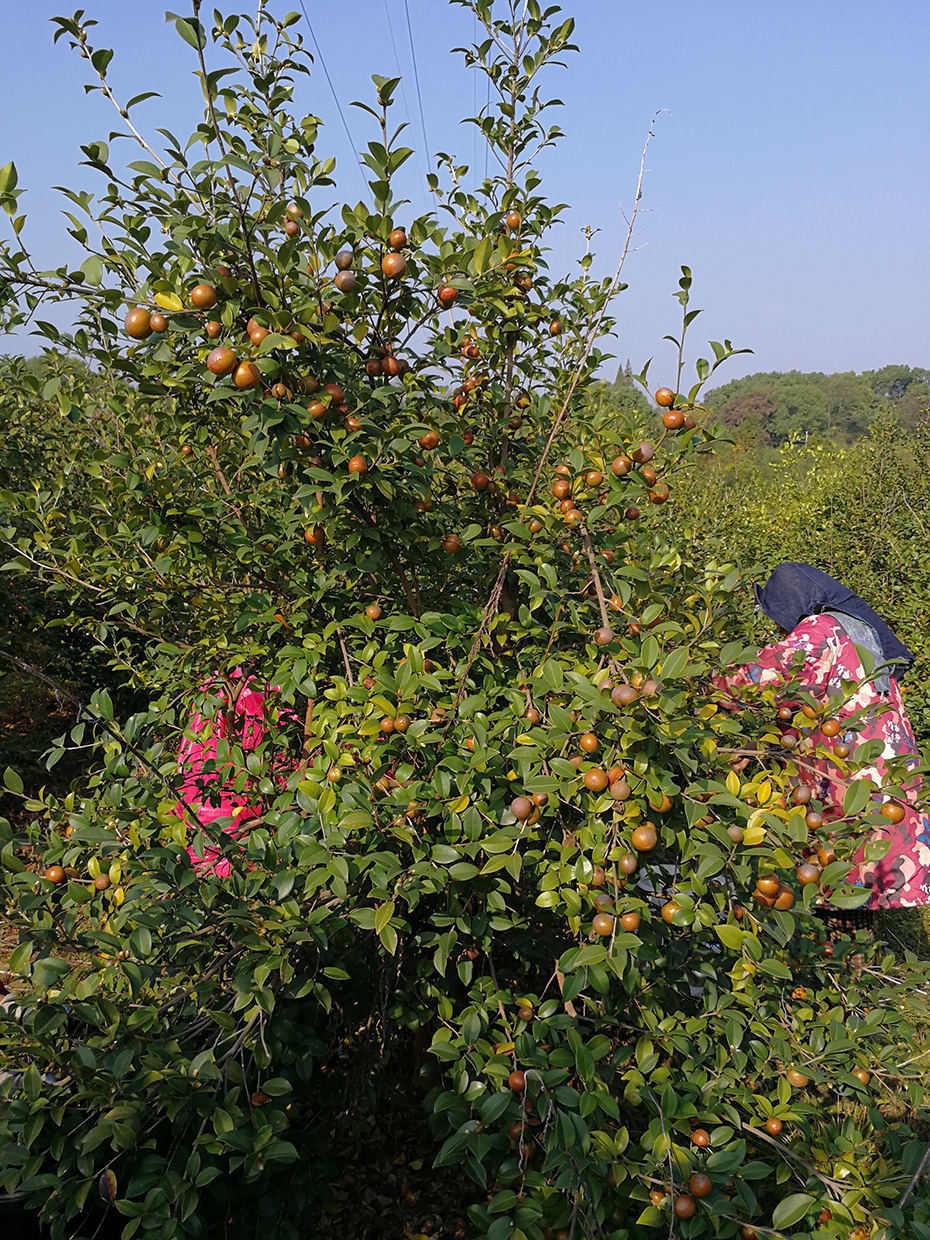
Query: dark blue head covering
[[794, 591]]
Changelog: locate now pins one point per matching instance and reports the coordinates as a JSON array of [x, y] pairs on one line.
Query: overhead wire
[[342, 116], [416, 79]]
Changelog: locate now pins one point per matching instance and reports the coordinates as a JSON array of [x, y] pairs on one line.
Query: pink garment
[[208, 796], [817, 655]]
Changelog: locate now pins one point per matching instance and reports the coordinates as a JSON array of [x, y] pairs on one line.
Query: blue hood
[[794, 591]]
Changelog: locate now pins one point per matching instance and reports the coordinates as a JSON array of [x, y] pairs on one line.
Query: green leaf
[[190, 31], [730, 936], [792, 1209], [383, 915], [12, 781], [858, 795], [675, 662]]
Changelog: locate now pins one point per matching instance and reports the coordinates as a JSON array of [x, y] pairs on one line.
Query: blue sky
[[790, 167]]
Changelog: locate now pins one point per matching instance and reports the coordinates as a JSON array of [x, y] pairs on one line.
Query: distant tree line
[[769, 409]]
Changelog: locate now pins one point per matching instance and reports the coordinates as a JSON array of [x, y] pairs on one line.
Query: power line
[[416, 79], [342, 117]]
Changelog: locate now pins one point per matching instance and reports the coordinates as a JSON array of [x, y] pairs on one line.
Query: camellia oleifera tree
[[499, 819]]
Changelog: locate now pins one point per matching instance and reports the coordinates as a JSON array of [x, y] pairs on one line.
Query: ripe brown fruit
[[247, 375], [343, 260], [480, 481], [357, 465], [593, 478], [373, 611], [513, 220], [627, 864], [138, 323], [221, 361], [397, 238], [644, 452], [773, 1126], [624, 695], [393, 265], [101, 882], [256, 331], [203, 296], [604, 635], [862, 1075], [892, 811], [588, 742], [561, 488], [555, 327], [317, 408], [768, 884], [659, 493], [315, 535], [603, 924], [665, 398], [807, 872], [158, 322], [830, 727], [684, 1206], [452, 544], [701, 1138], [784, 899], [54, 874], [345, 281], [796, 1079], [429, 440], [521, 808], [213, 328], [802, 794], [517, 1081], [291, 228], [595, 779], [673, 419], [700, 1184], [644, 838], [619, 789], [668, 911], [620, 466], [446, 295]]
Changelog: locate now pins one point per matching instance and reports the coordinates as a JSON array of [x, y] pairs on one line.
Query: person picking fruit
[[839, 663]]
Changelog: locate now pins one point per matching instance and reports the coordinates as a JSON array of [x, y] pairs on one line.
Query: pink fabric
[[818, 656], [208, 796]]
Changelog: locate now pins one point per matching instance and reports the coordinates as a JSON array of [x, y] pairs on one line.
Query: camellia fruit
[[665, 397], [138, 323], [203, 296], [393, 266], [247, 375], [221, 361]]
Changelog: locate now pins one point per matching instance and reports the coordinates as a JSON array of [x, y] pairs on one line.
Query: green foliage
[[430, 851]]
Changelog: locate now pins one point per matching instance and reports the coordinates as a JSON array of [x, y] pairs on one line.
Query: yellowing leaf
[[732, 783], [763, 792], [753, 836], [523, 739], [169, 301], [459, 805], [504, 1048]]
